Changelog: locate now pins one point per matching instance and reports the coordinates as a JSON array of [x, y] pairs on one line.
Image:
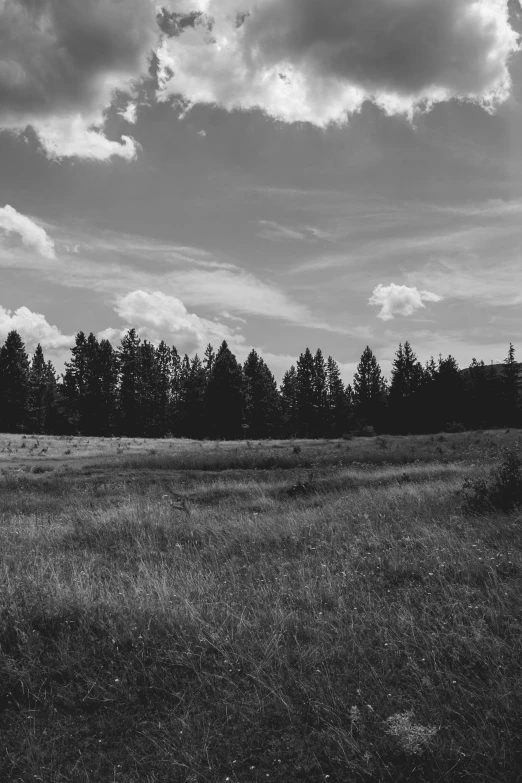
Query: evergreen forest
[[144, 390]]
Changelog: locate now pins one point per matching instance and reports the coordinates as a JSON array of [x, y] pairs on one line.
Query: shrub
[[41, 469], [454, 426], [501, 492], [365, 431]]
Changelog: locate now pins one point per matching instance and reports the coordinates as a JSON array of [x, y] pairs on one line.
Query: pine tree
[[427, 399], [183, 407], [407, 379], [193, 386], [261, 405], [511, 390], [38, 401], [369, 391], [14, 385], [320, 386], [107, 374], [288, 397], [224, 396], [174, 418], [305, 395], [90, 401], [164, 383], [129, 414], [74, 381], [337, 400], [147, 423], [208, 360], [45, 411], [449, 403], [478, 390]]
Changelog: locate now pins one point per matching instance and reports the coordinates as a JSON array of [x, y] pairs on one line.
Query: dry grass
[[176, 624]]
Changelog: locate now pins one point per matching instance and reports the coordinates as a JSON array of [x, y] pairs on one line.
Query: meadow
[[281, 611]]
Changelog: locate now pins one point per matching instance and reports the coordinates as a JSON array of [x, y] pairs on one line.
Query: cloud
[[33, 329], [32, 235], [400, 300], [273, 230], [474, 279], [61, 64], [238, 292], [318, 61], [130, 113], [231, 317], [159, 316]]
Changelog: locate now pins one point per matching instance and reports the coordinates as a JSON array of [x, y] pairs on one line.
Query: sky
[[274, 173]]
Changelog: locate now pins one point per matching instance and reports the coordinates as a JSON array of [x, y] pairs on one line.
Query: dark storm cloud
[[61, 62], [407, 46], [319, 60]]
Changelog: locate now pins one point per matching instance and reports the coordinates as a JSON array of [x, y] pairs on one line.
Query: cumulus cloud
[[61, 64], [32, 235], [159, 316], [33, 329], [400, 300], [318, 61]]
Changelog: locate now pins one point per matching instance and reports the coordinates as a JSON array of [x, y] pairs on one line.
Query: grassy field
[[277, 611]]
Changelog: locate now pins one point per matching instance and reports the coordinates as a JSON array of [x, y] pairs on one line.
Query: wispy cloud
[[113, 264], [498, 284], [272, 230]]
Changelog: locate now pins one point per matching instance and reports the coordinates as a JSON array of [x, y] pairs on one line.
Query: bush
[[41, 469], [454, 426], [365, 431], [501, 492]]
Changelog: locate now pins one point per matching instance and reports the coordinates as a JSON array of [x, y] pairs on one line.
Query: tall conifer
[[305, 395], [511, 390], [369, 391], [288, 396], [224, 396], [45, 412], [14, 385], [337, 400], [74, 382], [129, 388], [261, 408]]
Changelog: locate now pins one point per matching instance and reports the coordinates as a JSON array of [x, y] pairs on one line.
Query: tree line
[[144, 390]]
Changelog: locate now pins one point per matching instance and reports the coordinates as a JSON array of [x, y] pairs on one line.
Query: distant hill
[[488, 368]]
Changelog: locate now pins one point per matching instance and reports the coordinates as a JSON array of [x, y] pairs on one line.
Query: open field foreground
[[277, 611]]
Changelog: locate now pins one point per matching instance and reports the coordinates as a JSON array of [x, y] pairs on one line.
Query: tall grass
[[369, 631]]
